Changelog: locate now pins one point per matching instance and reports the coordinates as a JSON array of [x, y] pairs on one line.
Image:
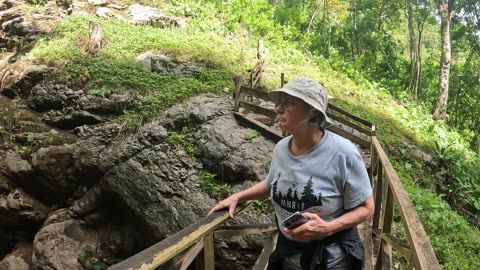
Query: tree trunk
[[326, 16], [354, 43], [413, 51], [444, 8], [313, 16]]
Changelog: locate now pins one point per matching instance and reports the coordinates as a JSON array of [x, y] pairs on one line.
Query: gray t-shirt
[[328, 180]]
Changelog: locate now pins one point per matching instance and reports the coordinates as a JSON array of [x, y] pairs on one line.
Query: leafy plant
[[88, 261], [263, 206], [251, 134], [180, 139], [215, 190]]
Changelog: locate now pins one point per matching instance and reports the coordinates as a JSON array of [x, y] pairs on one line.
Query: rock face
[[164, 64], [76, 193], [105, 197]]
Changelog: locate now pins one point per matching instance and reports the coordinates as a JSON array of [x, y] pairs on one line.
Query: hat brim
[[275, 95]]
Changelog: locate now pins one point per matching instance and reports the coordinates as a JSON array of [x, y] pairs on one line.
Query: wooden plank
[[378, 198], [239, 230], [422, 252], [385, 255], [245, 76], [352, 125], [256, 93], [163, 251], [365, 231], [349, 136], [209, 252], [398, 245], [182, 260], [258, 109], [384, 259], [191, 255], [262, 260], [236, 95], [387, 219], [354, 117], [268, 132]]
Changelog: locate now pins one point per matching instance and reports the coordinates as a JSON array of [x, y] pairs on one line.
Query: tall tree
[[417, 13], [354, 45], [444, 8]]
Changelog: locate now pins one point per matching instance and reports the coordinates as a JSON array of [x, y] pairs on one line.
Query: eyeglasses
[[285, 102]]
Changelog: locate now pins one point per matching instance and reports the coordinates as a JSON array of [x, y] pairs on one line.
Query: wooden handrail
[[422, 255], [163, 251]]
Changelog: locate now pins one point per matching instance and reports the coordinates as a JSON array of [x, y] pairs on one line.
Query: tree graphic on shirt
[[291, 200]]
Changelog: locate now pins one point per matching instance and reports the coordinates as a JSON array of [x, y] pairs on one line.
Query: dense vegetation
[[358, 49]]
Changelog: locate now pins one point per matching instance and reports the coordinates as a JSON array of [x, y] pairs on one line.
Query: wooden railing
[[389, 192], [192, 245]]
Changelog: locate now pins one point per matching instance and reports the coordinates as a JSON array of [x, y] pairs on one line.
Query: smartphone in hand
[[294, 220]]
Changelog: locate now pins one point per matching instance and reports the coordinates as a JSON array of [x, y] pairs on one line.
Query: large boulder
[[161, 182], [19, 259]]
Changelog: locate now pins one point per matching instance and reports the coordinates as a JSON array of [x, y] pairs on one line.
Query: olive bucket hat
[[308, 90]]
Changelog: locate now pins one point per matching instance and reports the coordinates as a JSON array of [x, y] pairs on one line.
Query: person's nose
[[279, 108]]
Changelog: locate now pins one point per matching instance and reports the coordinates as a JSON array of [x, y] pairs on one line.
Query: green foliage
[[263, 206], [212, 188], [182, 140], [88, 261], [252, 134], [455, 243], [103, 92], [37, 2]]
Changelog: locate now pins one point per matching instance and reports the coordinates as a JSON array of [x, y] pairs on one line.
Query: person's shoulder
[[340, 143], [284, 141]]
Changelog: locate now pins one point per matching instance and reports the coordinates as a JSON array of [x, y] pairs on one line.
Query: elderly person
[[317, 173]]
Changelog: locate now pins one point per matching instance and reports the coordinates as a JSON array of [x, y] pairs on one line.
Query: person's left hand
[[315, 227]]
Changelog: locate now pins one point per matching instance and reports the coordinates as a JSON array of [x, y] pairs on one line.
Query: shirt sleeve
[[357, 186]]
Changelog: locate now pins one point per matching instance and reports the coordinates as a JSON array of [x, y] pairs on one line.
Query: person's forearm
[[256, 191], [353, 217]]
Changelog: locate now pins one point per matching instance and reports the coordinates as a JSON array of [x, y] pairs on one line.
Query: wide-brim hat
[[308, 90]]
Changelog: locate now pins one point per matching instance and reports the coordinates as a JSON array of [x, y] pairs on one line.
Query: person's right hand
[[230, 203]]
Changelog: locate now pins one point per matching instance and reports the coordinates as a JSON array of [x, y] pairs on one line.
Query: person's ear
[[313, 113]]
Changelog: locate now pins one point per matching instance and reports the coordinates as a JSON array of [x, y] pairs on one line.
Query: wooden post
[[236, 94], [260, 59], [378, 195], [384, 258], [251, 79], [96, 39], [282, 79], [208, 249]]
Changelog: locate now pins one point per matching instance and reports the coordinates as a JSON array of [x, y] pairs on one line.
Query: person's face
[[292, 113]]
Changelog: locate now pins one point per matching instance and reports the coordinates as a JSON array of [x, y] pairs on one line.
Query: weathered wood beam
[[423, 255], [256, 93], [258, 109], [239, 230], [354, 117], [262, 260], [163, 251], [398, 245], [350, 124], [268, 132], [209, 252], [349, 136]]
